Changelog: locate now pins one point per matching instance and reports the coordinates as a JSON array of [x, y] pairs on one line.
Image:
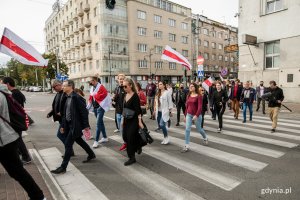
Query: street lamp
[[149, 55], [110, 81]]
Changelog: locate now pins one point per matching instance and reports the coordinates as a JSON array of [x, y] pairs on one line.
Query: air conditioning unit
[[249, 39]]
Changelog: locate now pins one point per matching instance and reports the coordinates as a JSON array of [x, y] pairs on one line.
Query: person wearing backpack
[[20, 98], [9, 156]]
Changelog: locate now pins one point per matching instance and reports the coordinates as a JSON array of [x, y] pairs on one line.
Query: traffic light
[[110, 4]]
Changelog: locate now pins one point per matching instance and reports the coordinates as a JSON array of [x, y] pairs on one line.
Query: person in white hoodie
[[9, 156], [163, 108]]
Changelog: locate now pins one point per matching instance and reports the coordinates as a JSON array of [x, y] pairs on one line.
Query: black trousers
[[180, 106], [23, 149], [220, 111], [203, 114], [9, 158], [263, 103]]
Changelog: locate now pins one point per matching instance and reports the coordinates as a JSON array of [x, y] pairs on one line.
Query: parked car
[[37, 89], [30, 89]]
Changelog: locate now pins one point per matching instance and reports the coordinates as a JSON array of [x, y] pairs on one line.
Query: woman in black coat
[[132, 122], [204, 95]]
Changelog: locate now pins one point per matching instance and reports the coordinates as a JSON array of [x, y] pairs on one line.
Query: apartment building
[[269, 39], [210, 39]]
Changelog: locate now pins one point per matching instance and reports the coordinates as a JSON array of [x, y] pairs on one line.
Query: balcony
[[86, 7], [71, 34], [72, 47], [66, 25], [62, 28], [67, 37], [88, 40], [89, 56], [70, 22], [75, 18], [83, 58], [80, 12], [87, 23], [76, 31], [77, 45], [81, 27], [78, 59], [82, 43], [63, 40]]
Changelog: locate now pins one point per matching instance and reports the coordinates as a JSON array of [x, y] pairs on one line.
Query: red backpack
[[18, 118]]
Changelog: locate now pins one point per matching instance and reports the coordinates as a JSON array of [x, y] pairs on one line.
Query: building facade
[[94, 40], [275, 56]]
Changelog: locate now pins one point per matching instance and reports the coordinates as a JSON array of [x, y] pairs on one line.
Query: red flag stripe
[[207, 81], [174, 56], [12, 46]]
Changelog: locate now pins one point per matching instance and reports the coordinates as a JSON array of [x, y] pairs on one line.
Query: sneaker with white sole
[[103, 140], [163, 142], [205, 141], [96, 144], [219, 130], [116, 131], [185, 149], [167, 140]]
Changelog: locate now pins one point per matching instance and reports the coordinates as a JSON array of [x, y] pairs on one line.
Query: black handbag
[[145, 135], [144, 110], [128, 113]]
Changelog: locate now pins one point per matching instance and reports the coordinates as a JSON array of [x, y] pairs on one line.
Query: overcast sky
[[27, 17]]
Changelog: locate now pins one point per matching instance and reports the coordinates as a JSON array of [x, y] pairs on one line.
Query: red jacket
[[142, 96]]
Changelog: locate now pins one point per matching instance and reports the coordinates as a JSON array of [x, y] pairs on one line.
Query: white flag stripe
[[181, 59], [153, 184], [220, 179], [205, 85], [233, 159], [73, 183], [238, 145]]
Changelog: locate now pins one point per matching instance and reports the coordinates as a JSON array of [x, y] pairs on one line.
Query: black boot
[[130, 161]]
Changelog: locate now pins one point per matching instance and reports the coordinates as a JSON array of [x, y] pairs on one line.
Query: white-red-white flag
[[207, 83], [171, 55], [17, 48]]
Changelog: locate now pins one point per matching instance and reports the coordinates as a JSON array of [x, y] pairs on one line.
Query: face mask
[[261, 84], [181, 87], [91, 84]]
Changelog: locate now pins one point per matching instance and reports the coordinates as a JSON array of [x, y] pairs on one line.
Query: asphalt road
[[246, 161]]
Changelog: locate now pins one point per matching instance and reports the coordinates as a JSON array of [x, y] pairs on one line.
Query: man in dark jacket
[[235, 97], [247, 99], [75, 119], [20, 98], [118, 101], [211, 91], [58, 105], [150, 93], [180, 99], [260, 91], [275, 98]]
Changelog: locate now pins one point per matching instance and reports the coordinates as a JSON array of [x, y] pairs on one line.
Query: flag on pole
[[171, 55], [207, 83], [17, 48], [222, 79]]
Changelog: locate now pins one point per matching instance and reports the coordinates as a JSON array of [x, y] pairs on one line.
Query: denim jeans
[[250, 106], [99, 112], [119, 121], [162, 124], [188, 126]]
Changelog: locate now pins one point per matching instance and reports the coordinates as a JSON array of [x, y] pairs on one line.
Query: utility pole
[[110, 81], [57, 61], [150, 63]]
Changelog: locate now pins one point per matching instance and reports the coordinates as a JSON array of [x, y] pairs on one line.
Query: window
[[172, 65], [172, 22], [141, 14], [90, 65], [184, 39], [206, 43], [231, 59], [97, 64], [142, 47], [226, 58], [96, 47], [220, 46], [96, 30], [172, 37], [158, 64], [142, 63], [184, 25], [157, 19], [141, 31], [273, 5], [220, 58], [213, 33], [213, 45], [205, 31], [272, 54], [213, 57], [158, 49], [290, 78], [220, 35], [95, 11], [206, 56], [158, 34], [185, 53]]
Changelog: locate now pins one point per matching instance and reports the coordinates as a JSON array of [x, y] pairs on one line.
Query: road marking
[[256, 130], [237, 160], [74, 184], [217, 178], [237, 145], [153, 184], [24, 133]]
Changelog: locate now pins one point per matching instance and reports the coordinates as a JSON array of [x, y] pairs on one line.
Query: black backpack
[[18, 118]]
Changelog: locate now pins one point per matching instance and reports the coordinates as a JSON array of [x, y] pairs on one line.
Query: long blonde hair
[[158, 95], [131, 83]]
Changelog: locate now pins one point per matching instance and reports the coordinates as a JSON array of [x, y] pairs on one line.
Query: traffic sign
[[200, 71], [200, 60], [224, 71]]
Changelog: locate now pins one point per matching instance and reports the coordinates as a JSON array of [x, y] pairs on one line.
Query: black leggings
[[220, 111]]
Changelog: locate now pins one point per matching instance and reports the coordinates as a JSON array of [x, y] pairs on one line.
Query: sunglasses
[[125, 86], [54, 86]]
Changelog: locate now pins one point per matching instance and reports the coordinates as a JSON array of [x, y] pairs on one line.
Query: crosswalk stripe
[[74, 184], [260, 125], [239, 145], [254, 138], [220, 179], [254, 129], [240, 161], [153, 184]]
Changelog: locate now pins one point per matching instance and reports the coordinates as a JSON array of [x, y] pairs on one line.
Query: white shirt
[[261, 90]]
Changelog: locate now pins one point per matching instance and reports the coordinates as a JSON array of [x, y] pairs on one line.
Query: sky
[[27, 18]]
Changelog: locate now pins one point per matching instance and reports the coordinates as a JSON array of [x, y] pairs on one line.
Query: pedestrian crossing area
[[231, 159]]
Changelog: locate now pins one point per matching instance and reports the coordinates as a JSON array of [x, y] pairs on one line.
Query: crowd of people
[[71, 110]]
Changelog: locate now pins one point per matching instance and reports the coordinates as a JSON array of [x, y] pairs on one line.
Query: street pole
[[57, 62], [110, 81], [150, 63], [36, 77], [197, 41]]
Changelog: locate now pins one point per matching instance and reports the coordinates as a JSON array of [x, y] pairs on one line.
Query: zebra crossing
[[253, 138]]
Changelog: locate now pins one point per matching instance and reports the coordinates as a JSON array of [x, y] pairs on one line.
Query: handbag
[[144, 110], [145, 135], [128, 113]]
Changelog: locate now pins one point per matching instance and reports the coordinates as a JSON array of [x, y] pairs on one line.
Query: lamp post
[[110, 81], [150, 55]]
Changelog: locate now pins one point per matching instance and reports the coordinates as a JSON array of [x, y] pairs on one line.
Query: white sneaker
[[219, 130], [205, 141], [103, 140], [96, 144], [163, 142], [166, 140], [185, 149], [116, 131]]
